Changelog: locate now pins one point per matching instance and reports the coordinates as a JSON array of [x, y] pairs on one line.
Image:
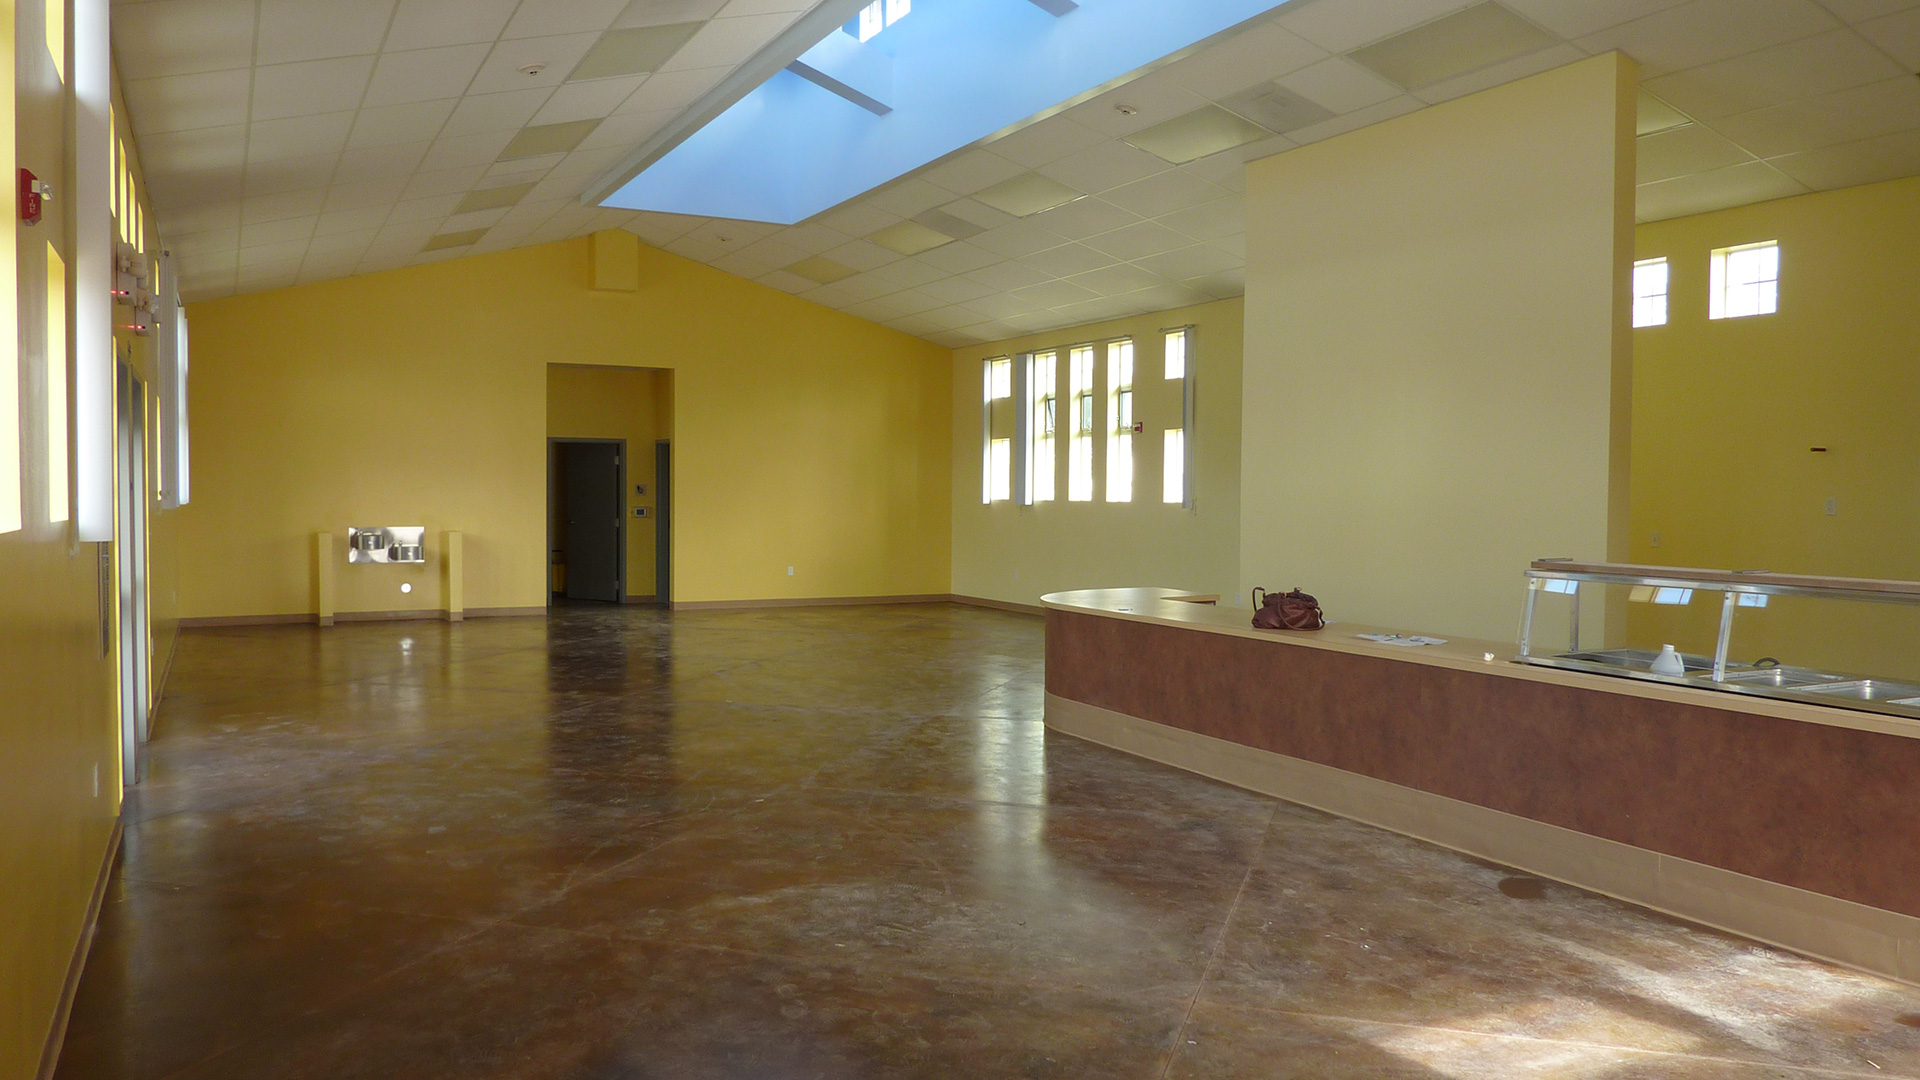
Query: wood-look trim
[[804, 602], [649, 599], [1856, 935], [217, 621], [63, 1010], [999, 605], [534, 612], [408, 615]]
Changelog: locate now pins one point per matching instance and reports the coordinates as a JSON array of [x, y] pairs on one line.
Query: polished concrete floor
[[833, 844]]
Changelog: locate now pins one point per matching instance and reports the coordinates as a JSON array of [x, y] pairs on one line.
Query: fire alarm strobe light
[[33, 193]]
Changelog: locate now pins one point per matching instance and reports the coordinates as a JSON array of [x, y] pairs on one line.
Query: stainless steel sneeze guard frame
[[1739, 588], [389, 544]]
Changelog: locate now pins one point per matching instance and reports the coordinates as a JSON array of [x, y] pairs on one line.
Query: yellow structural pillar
[[323, 578], [455, 567]]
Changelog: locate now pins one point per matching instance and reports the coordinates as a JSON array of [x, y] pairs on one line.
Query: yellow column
[[323, 578], [455, 567]]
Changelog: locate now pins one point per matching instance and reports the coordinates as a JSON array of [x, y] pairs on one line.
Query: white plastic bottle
[[1669, 662]]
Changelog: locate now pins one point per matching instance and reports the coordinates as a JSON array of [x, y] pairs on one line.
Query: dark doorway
[[588, 533], [663, 521]]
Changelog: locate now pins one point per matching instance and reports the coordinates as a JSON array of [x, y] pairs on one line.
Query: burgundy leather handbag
[[1293, 610]]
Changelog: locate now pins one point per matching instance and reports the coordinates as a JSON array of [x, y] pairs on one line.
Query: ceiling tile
[[275, 207], [1208, 221], [564, 17], [509, 111], [906, 198], [187, 151], [673, 90], [204, 243], [1007, 276], [300, 136], [1138, 241], [420, 24], [433, 209], [728, 41], [1085, 217], [1108, 165], [188, 190], [315, 86], [289, 174], [1353, 121], [455, 151], [956, 290], [1044, 142], [1339, 25], [1189, 262], [181, 37], [547, 139], [1140, 103], [587, 100], [1471, 39], [1019, 239], [1691, 149], [862, 255], [1027, 193], [625, 131], [1858, 11], [381, 193], [278, 232], [188, 102], [1869, 161], [1163, 194], [1863, 112], [1577, 18], [1821, 64], [1500, 74], [960, 257], [660, 12], [639, 50], [560, 54], [293, 30], [1117, 279], [380, 162], [1055, 294], [1705, 31], [1699, 193], [1340, 85], [970, 171], [1899, 35], [432, 182], [1258, 55], [424, 74], [395, 124], [1066, 260]]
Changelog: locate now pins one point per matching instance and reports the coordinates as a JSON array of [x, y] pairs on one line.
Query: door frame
[[553, 450], [663, 522], [134, 630]]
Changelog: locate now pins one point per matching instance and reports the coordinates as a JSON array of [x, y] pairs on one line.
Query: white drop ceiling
[[293, 141]]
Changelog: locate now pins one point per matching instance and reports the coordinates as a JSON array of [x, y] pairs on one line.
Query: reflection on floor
[[837, 844]]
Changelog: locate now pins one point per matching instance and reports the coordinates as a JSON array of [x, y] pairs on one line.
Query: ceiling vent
[[1468, 40], [1204, 131], [1277, 109]]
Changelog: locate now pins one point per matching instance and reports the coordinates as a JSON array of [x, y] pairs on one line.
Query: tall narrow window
[[57, 36], [1080, 447], [1042, 389], [996, 423], [1744, 281], [1176, 354], [1120, 422], [58, 494], [879, 15], [1173, 477], [1650, 292]]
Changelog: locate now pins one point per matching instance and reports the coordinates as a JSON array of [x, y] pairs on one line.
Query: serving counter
[[1789, 822]]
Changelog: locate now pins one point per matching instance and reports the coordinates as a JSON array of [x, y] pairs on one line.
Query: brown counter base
[[1868, 938]]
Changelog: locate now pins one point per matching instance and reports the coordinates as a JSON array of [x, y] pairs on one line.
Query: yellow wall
[[1725, 414], [802, 436], [615, 403], [1014, 553], [1434, 339]]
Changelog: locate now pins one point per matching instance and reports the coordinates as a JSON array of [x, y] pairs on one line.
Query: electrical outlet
[[1655, 541], [1833, 507], [789, 571]]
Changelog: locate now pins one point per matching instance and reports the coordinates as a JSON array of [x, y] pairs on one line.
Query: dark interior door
[[592, 473], [663, 522]]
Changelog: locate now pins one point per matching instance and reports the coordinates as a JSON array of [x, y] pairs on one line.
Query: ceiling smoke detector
[[1125, 110], [533, 69]]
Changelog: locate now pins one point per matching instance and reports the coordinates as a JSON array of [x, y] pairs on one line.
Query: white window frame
[[1730, 274], [1650, 304]]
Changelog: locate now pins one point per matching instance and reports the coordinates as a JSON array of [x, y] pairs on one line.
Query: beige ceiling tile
[[1141, 103], [1476, 37], [858, 219], [1118, 279], [474, 219], [457, 151], [1261, 54], [286, 230], [311, 87], [1899, 35], [508, 112], [1500, 74], [1691, 149], [1197, 260], [673, 90], [214, 217], [290, 174], [1821, 64], [1339, 84], [906, 198], [1869, 161], [424, 74], [272, 253], [211, 262], [189, 102], [1045, 142], [1209, 221], [293, 30], [560, 54], [358, 219], [908, 273], [204, 243], [564, 17], [337, 243], [1137, 241], [959, 257], [1107, 165], [298, 136], [626, 132], [1339, 25], [1227, 170], [187, 151], [180, 37], [1340, 125], [380, 163], [194, 190], [544, 139], [541, 165], [658, 229], [1857, 11], [587, 100], [861, 255], [435, 209], [1019, 239], [662, 12], [728, 42], [971, 171], [637, 50], [443, 182], [1220, 285], [1577, 18], [1085, 217], [365, 194], [391, 125], [1706, 31], [1163, 194], [1698, 193], [420, 24], [492, 198], [1067, 260], [1008, 276], [1863, 112]]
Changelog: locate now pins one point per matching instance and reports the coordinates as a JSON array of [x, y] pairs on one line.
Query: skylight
[[893, 93]]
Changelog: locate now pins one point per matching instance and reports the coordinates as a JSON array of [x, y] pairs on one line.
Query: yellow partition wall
[[1015, 554], [1437, 356], [803, 437], [1728, 413]]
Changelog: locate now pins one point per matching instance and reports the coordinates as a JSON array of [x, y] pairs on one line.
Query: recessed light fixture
[[636, 51], [910, 238], [1204, 131], [454, 240], [1028, 193], [1467, 40], [821, 269]]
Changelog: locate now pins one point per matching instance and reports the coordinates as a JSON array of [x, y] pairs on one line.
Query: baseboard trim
[[999, 605], [63, 1011], [640, 599], [538, 611], [215, 622], [1854, 935], [805, 602], [414, 615]]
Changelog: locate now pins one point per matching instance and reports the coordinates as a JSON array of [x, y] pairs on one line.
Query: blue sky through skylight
[[946, 75]]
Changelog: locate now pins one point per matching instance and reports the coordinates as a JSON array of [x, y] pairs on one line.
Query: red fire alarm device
[[33, 193]]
